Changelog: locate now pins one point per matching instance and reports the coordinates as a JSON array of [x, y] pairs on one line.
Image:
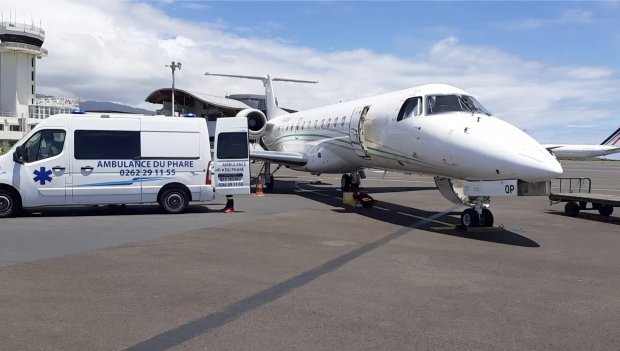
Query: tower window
[[33, 88], [32, 75], [33, 62]]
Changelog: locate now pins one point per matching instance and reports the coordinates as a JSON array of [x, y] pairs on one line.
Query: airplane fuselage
[[584, 151], [373, 133]]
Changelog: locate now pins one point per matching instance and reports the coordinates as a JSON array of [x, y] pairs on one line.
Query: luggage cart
[[577, 193]]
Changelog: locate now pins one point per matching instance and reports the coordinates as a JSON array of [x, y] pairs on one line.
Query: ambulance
[[99, 159]]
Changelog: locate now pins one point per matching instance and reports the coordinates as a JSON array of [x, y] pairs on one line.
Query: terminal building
[[20, 109]]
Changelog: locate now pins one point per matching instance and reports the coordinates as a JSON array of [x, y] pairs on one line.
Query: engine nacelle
[[257, 121]]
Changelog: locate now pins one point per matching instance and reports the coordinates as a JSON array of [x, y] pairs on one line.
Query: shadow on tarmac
[[115, 210], [402, 215], [590, 216]]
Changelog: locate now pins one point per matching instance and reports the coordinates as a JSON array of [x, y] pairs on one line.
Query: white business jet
[[432, 129], [609, 146]]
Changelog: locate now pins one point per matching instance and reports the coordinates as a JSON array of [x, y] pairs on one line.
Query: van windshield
[[436, 104]]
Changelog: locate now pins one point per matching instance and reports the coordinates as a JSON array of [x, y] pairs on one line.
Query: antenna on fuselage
[[272, 107]]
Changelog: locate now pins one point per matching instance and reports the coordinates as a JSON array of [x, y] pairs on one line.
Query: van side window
[[411, 108], [44, 144], [107, 145], [232, 145]]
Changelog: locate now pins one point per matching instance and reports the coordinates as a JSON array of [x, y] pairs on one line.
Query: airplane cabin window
[[412, 107], [322, 122], [329, 120], [342, 121]]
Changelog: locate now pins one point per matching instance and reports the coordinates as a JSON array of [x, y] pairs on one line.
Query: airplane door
[[231, 157], [356, 131], [45, 173]]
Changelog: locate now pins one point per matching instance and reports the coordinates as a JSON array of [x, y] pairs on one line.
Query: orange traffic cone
[[259, 187]]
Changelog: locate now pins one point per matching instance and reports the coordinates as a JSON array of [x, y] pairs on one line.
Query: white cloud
[[568, 17], [116, 51], [576, 16]]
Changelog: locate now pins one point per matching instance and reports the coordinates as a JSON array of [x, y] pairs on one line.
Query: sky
[[551, 68]]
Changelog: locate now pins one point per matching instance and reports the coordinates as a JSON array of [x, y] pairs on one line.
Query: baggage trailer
[[578, 195]]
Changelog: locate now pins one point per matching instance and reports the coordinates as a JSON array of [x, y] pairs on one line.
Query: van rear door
[[231, 157]]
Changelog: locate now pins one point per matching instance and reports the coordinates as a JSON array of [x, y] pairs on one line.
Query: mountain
[[100, 106]]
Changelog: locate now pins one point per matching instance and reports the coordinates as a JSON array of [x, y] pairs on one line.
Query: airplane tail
[[613, 139], [273, 110]]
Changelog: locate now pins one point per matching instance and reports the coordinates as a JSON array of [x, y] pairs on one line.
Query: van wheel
[[9, 203], [173, 201]]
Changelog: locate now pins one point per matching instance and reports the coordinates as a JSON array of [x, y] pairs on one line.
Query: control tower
[[20, 109], [20, 47]]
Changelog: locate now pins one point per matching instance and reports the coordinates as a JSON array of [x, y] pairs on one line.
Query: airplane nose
[[507, 152], [535, 163]]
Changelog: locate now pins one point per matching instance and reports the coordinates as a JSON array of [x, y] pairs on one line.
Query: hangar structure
[[207, 106]]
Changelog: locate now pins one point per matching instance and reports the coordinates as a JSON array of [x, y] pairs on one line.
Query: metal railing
[[24, 27], [27, 47], [580, 185]]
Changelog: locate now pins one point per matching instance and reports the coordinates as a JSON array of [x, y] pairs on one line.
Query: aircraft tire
[[345, 182], [470, 218], [487, 218], [270, 183]]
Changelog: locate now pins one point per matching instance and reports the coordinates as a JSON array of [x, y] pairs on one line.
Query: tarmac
[[298, 270]]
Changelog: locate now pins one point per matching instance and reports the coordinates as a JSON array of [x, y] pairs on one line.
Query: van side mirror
[[19, 155]]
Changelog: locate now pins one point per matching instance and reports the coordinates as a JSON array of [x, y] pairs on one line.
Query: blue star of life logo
[[42, 176]]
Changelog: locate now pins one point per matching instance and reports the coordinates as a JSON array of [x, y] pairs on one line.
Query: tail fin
[[613, 139], [272, 105]]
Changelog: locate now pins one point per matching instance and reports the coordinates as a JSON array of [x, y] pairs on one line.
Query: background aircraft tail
[[273, 110], [613, 139]]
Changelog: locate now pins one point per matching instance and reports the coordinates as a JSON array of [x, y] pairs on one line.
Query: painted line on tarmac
[[232, 312]]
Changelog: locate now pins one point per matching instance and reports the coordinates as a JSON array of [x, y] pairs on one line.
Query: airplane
[[608, 146], [433, 129]]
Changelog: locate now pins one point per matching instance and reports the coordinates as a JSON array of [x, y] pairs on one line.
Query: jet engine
[[256, 122]]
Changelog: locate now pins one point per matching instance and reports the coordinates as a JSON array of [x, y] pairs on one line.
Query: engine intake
[[257, 121]]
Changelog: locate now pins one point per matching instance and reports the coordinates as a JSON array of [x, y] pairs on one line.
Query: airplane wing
[[283, 158]]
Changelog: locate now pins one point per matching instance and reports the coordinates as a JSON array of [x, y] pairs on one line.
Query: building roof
[[165, 94]]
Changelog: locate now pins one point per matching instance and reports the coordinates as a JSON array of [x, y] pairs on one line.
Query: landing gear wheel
[[269, 183], [345, 182], [470, 218], [605, 210], [486, 218], [356, 180], [9, 204], [173, 201], [572, 209]]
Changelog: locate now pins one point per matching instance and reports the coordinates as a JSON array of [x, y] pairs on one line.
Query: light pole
[[173, 66]]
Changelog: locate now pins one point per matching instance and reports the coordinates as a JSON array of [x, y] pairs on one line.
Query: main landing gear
[[477, 217], [351, 180], [266, 176]]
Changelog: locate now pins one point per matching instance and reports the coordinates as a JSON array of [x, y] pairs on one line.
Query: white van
[[93, 159]]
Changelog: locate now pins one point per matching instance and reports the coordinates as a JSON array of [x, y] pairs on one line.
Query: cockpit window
[[453, 103], [411, 108]]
